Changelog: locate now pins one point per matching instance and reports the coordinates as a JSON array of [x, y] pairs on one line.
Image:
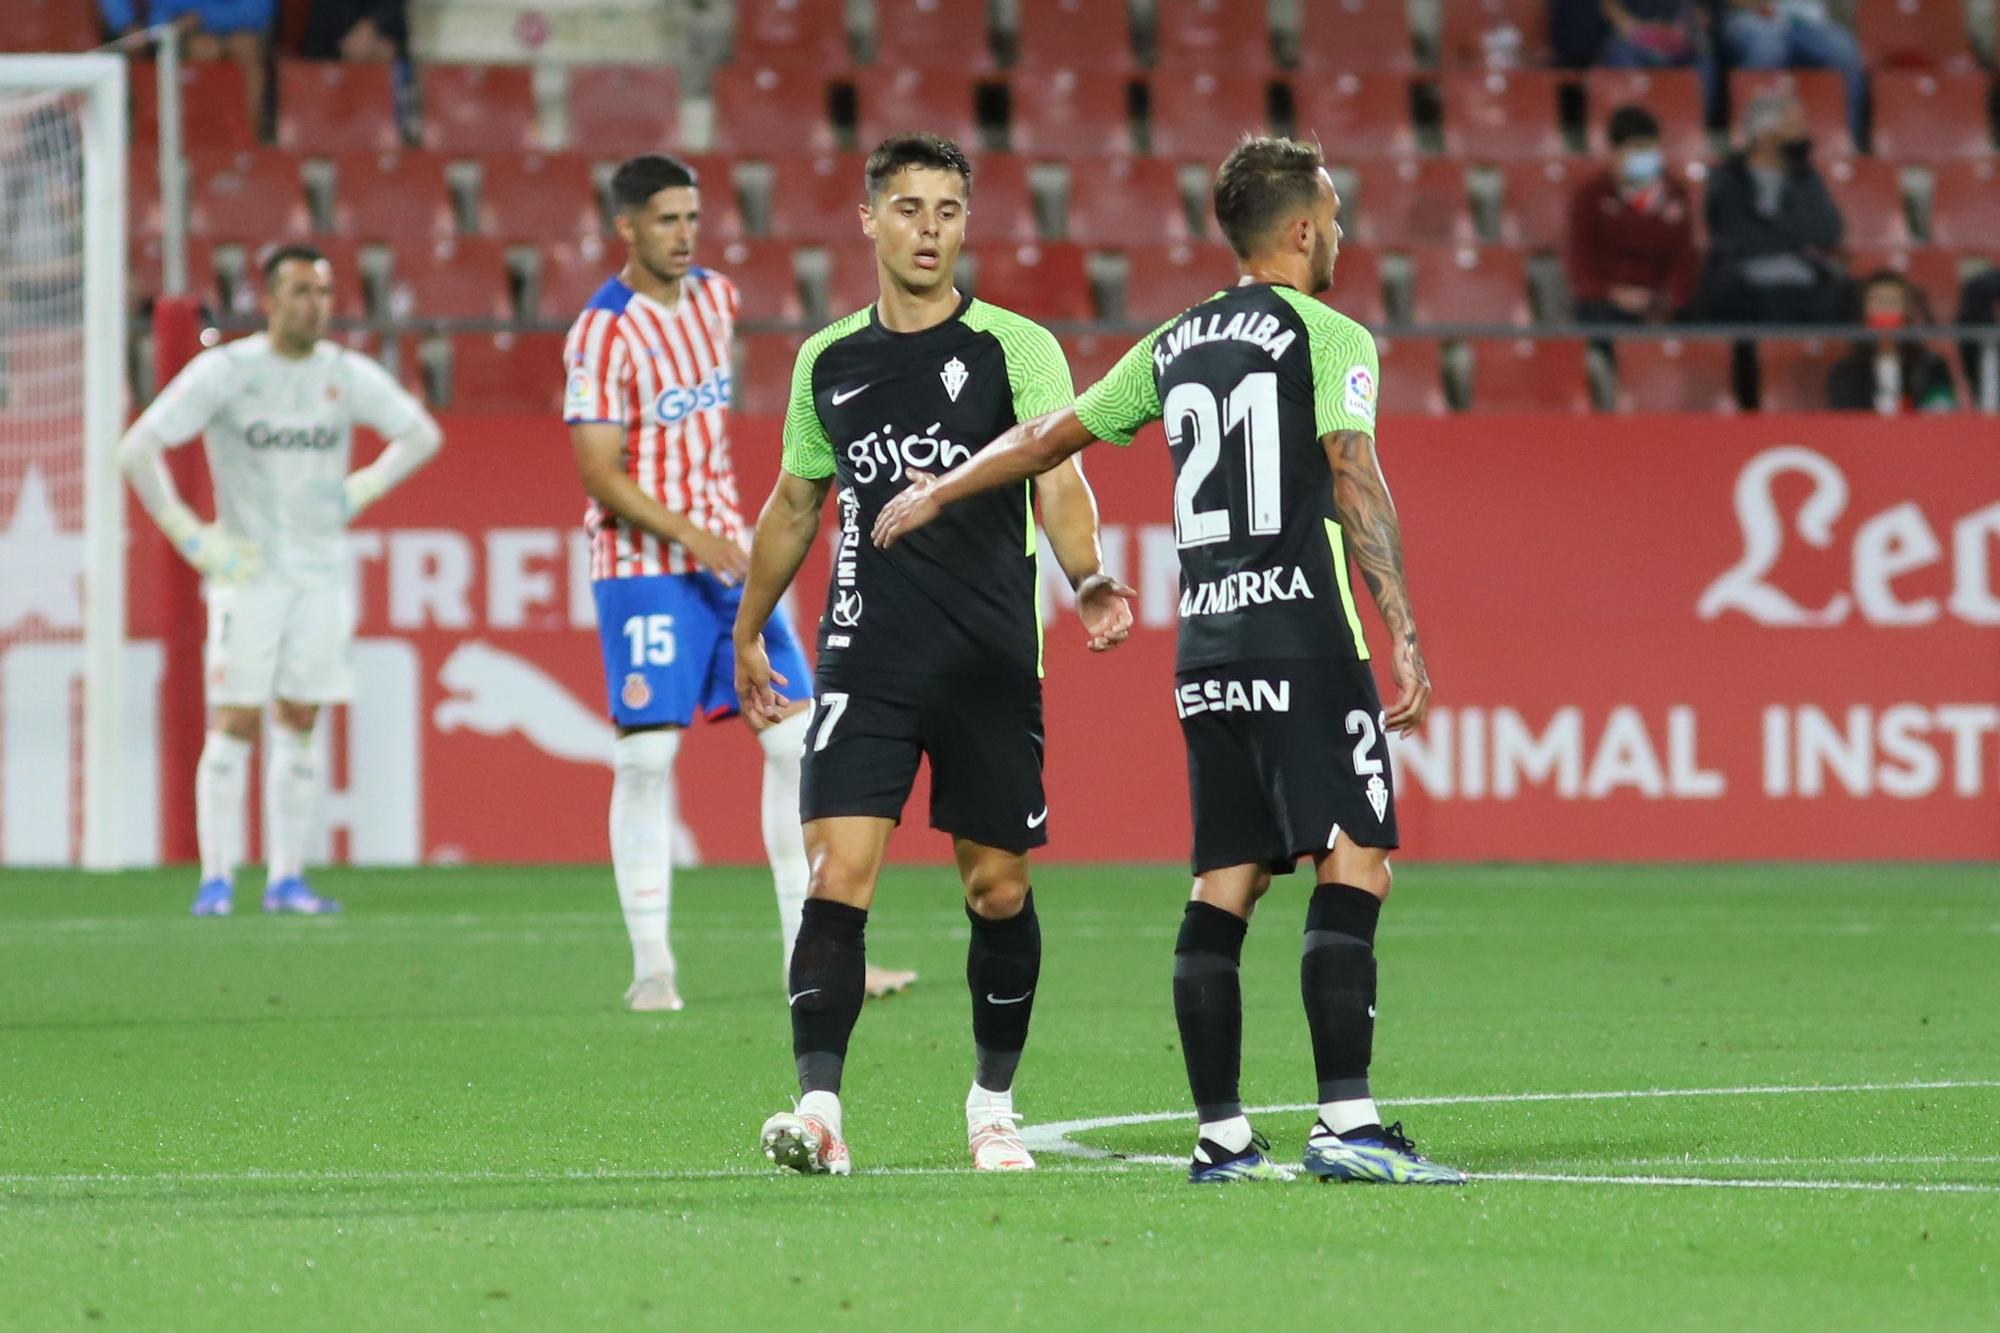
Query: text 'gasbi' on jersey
[[880, 453], [1266, 331]]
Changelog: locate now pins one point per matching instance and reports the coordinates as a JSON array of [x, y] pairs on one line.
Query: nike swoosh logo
[[802, 995], [1371, 1011], [991, 998], [841, 396], [1036, 821]]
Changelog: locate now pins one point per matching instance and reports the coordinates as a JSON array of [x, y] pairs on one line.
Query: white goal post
[[63, 188]]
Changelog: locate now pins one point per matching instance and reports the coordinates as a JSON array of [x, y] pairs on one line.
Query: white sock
[[641, 860], [1345, 1117], [824, 1107], [981, 1101], [1233, 1133], [784, 841], [291, 791], [219, 779]]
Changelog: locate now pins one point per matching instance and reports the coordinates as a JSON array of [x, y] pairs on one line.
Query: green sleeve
[[1126, 398], [1037, 374], [808, 452]]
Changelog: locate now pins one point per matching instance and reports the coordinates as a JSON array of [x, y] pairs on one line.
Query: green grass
[[431, 1112]]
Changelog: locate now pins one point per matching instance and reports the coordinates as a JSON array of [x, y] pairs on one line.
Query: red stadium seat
[[1535, 199], [462, 278], [1418, 201], [386, 196], [909, 97], [144, 278], [1057, 34], [815, 198], [851, 284], [1066, 112], [1965, 205], [1932, 117], [1530, 375], [1203, 114], [1470, 285], [1003, 203], [1670, 375], [768, 108], [49, 25], [1931, 269], [1820, 92], [763, 383], [1869, 192], [1126, 200], [251, 195], [620, 111], [542, 197], [1791, 373], [1357, 288], [1163, 280], [1672, 95], [764, 274], [568, 274], [1412, 377], [933, 32], [1358, 117], [796, 31], [1494, 34], [214, 106], [1092, 355], [1493, 117], [330, 106], [507, 372], [1347, 36], [1213, 34], [1043, 282], [479, 109], [1928, 34]]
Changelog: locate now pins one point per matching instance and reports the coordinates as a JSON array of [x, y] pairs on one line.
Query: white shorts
[[278, 640]]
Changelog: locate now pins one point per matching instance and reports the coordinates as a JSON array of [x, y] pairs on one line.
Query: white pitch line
[[254, 1177], [1710, 1182]]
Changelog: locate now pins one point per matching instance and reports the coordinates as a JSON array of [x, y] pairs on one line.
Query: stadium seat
[[810, 32], [1358, 117], [1820, 92], [544, 197], [49, 25], [1092, 355], [890, 101], [1057, 34], [1672, 95], [1530, 375], [1043, 282], [1469, 285], [568, 274], [768, 108], [1494, 117], [1344, 36], [145, 278], [1418, 201], [387, 196], [933, 32], [479, 109], [1931, 269], [1357, 288], [1003, 203], [766, 278], [1202, 114], [1066, 112], [507, 372], [850, 279], [1493, 34], [1117, 201], [763, 383], [1927, 34], [1672, 375], [458, 278], [251, 195], [1412, 377], [1932, 117], [214, 112], [1791, 373], [1965, 205], [620, 111], [331, 106], [1163, 280], [1535, 199], [1869, 193], [1213, 34], [814, 198]]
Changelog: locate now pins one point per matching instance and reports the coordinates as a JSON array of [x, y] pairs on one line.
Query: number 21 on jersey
[[1195, 420]]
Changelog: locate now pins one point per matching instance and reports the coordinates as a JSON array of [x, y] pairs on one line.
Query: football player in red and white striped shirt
[[647, 399]]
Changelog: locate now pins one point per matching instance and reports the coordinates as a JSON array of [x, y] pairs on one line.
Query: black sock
[[1002, 966], [828, 961], [1337, 978], [1208, 1004]]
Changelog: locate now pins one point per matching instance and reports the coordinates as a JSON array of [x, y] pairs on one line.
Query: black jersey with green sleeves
[[960, 597], [1246, 383]]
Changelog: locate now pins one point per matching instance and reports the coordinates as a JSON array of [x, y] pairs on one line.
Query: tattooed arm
[[1368, 518]]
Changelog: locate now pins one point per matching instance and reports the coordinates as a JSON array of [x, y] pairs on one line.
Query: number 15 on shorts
[[652, 639]]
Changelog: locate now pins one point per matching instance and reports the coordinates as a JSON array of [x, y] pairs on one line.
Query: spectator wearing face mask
[[1890, 375], [1798, 34], [1773, 228], [1631, 231]]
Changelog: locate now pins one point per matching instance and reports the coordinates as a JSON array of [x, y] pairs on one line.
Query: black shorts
[[983, 738], [1282, 756]]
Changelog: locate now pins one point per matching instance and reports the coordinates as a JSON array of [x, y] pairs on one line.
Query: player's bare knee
[[296, 717], [241, 723], [997, 892]]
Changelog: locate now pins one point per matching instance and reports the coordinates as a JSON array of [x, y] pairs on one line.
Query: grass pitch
[[432, 1112]]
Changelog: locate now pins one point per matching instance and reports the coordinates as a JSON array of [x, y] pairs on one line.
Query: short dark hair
[[285, 253], [916, 149], [1631, 122], [640, 178], [1263, 181]]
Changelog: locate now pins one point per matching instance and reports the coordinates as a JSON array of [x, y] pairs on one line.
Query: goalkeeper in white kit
[[276, 412]]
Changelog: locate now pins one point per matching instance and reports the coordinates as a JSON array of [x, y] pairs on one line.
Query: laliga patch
[[581, 392], [1361, 394], [637, 693]]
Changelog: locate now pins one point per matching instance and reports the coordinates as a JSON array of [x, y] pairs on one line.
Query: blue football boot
[[1214, 1164], [215, 897], [1375, 1154], [292, 894]]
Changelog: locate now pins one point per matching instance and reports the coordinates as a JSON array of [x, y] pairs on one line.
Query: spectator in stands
[[1773, 228], [360, 30], [1794, 34], [212, 30], [1578, 31], [1631, 232], [1887, 374], [1653, 34], [1979, 304]]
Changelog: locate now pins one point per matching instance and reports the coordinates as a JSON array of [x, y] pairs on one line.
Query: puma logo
[[499, 694]]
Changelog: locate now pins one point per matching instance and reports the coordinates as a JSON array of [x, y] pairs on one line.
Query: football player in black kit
[[1268, 397], [934, 649]]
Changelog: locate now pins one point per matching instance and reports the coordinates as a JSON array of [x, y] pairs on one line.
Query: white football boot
[[993, 1133], [882, 982], [654, 995], [806, 1142]]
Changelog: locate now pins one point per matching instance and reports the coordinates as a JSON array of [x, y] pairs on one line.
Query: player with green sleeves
[[931, 650], [1264, 391]]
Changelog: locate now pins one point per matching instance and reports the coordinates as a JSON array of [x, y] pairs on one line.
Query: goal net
[[62, 399]]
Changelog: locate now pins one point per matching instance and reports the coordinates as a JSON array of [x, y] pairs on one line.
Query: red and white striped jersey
[[663, 373]]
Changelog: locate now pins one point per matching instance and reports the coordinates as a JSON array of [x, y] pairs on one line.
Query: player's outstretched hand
[[720, 557], [761, 704], [1102, 605], [909, 510], [1413, 689], [220, 556]]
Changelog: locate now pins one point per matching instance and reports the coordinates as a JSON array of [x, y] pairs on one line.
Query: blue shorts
[[220, 17], [668, 651]]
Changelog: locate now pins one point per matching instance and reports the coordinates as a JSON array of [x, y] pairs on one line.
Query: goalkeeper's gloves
[[217, 555], [363, 487]]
